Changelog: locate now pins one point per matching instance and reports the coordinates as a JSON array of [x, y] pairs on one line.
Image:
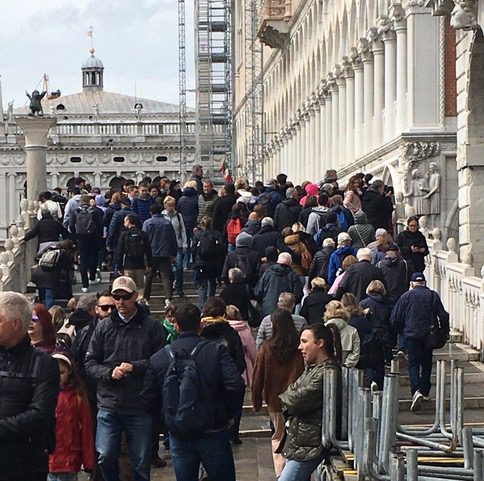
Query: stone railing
[[461, 291], [17, 257]]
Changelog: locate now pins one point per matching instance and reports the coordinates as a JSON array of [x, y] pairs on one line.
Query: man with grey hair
[[359, 275], [29, 384], [287, 212], [286, 301], [267, 236]]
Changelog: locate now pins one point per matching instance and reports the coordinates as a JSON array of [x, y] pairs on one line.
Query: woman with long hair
[[337, 315], [352, 197], [303, 402], [278, 364], [41, 329]]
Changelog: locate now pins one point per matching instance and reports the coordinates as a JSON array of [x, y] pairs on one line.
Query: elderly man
[[29, 384], [414, 314], [117, 359], [286, 301], [277, 279]]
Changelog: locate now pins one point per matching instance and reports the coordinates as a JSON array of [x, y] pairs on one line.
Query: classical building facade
[[102, 136], [360, 86]]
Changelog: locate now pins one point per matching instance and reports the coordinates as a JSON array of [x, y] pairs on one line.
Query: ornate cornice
[[375, 40], [346, 68], [354, 58], [384, 26], [414, 6], [398, 17], [364, 50], [413, 153]]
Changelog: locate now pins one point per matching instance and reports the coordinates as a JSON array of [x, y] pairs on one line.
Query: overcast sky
[[137, 41]]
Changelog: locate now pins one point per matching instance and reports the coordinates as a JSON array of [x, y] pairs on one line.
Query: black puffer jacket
[[188, 208], [397, 273], [267, 236], [114, 342], [29, 384], [221, 332], [221, 211], [314, 305], [287, 213], [319, 266], [47, 230], [357, 278]]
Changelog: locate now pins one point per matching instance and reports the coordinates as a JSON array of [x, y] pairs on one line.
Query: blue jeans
[[419, 365], [207, 288], [212, 450], [300, 470], [137, 427], [178, 269], [187, 259]]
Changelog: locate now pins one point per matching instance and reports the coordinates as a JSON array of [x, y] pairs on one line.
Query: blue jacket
[[336, 260], [416, 311], [188, 208], [116, 226], [142, 207], [217, 368], [161, 235]]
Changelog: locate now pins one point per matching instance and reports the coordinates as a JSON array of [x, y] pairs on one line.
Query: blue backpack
[[187, 400], [343, 223]]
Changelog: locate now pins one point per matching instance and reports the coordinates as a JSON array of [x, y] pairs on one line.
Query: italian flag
[[226, 172]]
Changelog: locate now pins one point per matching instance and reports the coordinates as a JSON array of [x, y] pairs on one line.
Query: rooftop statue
[[35, 103]]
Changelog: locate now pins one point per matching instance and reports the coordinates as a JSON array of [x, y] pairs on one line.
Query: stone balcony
[[274, 22]]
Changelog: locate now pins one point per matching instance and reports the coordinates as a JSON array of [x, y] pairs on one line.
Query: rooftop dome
[[92, 62]]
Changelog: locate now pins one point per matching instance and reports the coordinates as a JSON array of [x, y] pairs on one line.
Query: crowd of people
[[291, 280]]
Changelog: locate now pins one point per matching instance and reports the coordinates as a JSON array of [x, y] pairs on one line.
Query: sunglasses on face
[[35, 319], [124, 297], [106, 307]]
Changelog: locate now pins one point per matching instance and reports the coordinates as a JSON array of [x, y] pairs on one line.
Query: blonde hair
[[169, 200], [233, 313], [335, 310], [376, 287], [319, 282], [190, 184], [241, 183], [72, 304], [58, 316], [350, 303]]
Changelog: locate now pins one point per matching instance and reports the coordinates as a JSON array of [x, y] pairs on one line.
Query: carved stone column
[[329, 130], [400, 25], [358, 71], [315, 141], [333, 87], [322, 128], [341, 83], [35, 130], [379, 84], [350, 109], [367, 59], [389, 40]]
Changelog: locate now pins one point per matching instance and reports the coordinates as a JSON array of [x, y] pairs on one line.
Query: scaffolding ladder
[[214, 123]]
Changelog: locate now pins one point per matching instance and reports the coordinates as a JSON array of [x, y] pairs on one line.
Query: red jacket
[[74, 436]]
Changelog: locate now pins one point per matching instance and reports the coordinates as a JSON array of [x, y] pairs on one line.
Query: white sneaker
[[84, 289], [416, 401], [167, 303]]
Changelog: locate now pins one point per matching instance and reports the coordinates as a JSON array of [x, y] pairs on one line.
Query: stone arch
[[362, 19], [336, 48], [343, 48], [353, 25], [116, 183]]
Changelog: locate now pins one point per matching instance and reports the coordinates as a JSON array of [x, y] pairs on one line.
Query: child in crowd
[[74, 436]]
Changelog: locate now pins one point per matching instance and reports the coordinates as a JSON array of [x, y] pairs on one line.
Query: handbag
[[436, 337]]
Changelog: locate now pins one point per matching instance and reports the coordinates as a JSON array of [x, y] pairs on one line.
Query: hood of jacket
[[343, 250], [80, 318], [391, 261], [190, 192], [280, 270], [292, 239], [265, 229], [379, 298], [290, 202], [312, 189], [360, 218], [244, 240], [339, 323]]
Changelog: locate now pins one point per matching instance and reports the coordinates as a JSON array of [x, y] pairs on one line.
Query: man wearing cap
[[117, 358], [343, 250], [413, 315], [277, 279], [396, 272], [29, 384], [358, 276]]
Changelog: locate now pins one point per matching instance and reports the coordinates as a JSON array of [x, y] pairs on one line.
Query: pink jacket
[[250, 352], [311, 189]]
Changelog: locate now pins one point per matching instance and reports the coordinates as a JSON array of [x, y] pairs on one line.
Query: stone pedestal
[[35, 130]]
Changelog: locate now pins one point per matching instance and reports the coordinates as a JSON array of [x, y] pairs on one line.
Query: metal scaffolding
[[254, 111], [182, 81], [213, 61]]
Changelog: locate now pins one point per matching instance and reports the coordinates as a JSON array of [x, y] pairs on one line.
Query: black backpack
[[242, 262], [322, 218], [50, 259], [187, 399], [134, 247], [209, 247], [85, 221]]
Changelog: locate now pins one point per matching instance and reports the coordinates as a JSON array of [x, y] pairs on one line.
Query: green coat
[[303, 403]]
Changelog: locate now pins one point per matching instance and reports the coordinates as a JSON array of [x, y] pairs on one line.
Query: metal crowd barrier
[[385, 451]]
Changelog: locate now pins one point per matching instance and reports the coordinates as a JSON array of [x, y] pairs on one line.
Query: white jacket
[[350, 341]]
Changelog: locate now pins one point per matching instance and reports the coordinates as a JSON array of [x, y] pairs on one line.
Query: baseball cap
[[418, 277], [124, 283], [63, 357]]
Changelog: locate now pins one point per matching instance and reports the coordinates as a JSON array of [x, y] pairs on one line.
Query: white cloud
[[136, 40]]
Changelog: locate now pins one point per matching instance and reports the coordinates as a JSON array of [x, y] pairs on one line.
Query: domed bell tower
[[92, 73]]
